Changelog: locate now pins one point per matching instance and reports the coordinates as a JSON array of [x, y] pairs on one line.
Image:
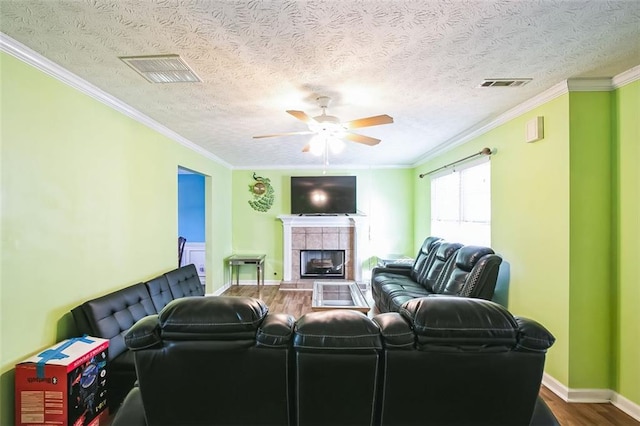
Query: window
[[461, 204]]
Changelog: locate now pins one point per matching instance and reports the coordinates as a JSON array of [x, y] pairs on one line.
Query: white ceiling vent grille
[[504, 82], [162, 69]]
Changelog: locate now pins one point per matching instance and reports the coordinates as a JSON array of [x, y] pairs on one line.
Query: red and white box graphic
[[64, 385]]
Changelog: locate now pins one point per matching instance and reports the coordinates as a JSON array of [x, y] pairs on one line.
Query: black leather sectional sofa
[[440, 361], [440, 268], [110, 317]]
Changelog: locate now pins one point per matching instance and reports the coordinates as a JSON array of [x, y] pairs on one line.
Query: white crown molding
[[33, 58], [598, 396], [482, 128], [339, 167], [590, 85], [571, 85], [626, 77]]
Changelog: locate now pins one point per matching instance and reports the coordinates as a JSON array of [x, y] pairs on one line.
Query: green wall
[[384, 196], [89, 205], [590, 229], [626, 242], [565, 219], [530, 218]]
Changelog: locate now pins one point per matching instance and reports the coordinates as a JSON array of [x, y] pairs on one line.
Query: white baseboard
[[227, 286], [591, 396], [219, 291], [629, 407], [253, 282]]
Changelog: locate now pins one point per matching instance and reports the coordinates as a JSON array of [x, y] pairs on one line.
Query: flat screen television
[[329, 195]]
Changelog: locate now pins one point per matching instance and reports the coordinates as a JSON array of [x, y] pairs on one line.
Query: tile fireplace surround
[[322, 233]]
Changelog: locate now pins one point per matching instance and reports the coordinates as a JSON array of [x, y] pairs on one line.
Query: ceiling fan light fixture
[[317, 145], [335, 145], [329, 132]]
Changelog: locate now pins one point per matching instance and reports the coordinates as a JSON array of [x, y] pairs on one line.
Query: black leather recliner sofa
[[439, 361], [110, 317], [440, 268]]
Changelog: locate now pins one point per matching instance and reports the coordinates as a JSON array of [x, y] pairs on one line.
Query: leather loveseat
[[110, 317], [440, 267], [439, 361]]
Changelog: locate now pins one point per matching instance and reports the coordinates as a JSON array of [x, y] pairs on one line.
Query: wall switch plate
[[535, 129]]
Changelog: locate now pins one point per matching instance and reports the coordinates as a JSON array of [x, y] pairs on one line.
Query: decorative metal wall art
[[263, 194]]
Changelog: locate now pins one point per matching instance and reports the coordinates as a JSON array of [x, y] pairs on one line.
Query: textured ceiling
[[419, 61]]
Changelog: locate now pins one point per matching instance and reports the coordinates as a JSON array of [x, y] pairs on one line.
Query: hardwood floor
[[293, 302], [298, 303], [575, 414]]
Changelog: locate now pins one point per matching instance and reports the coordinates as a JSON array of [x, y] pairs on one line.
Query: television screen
[[323, 195]]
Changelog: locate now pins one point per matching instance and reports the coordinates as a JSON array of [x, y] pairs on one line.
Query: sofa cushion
[[184, 282], [395, 302], [159, 291], [383, 276], [425, 257], [445, 252], [110, 316], [394, 295], [336, 330], [460, 323], [473, 273], [216, 317]]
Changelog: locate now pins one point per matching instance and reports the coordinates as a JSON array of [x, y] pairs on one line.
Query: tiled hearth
[[321, 233]]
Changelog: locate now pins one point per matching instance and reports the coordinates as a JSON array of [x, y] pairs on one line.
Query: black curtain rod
[[485, 151]]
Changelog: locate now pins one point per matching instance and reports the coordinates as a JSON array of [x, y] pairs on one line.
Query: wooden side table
[[237, 260]]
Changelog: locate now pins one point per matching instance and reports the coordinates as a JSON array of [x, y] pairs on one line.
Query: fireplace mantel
[[357, 221]]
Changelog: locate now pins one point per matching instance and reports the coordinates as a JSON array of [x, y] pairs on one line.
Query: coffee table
[[338, 295]]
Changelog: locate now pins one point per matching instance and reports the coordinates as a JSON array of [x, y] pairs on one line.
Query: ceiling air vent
[[162, 68], [504, 82]]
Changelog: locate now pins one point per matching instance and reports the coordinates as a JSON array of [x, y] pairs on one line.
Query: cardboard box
[[64, 385]]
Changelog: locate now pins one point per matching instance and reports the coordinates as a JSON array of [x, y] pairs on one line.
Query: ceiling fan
[[328, 127]]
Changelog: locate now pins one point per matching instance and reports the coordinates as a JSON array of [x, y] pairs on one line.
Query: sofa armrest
[[399, 265], [532, 336], [276, 331], [144, 334], [406, 271], [396, 331]]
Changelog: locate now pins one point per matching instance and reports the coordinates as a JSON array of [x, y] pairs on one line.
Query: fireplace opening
[[322, 263]]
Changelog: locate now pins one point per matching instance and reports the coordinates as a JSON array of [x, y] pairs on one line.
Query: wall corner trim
[[33, 58], [598, 396], [590, 84]]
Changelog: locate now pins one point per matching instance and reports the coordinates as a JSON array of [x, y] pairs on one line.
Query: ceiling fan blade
[[354, 137], [302, 116], [276, 135], [376, 120]]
